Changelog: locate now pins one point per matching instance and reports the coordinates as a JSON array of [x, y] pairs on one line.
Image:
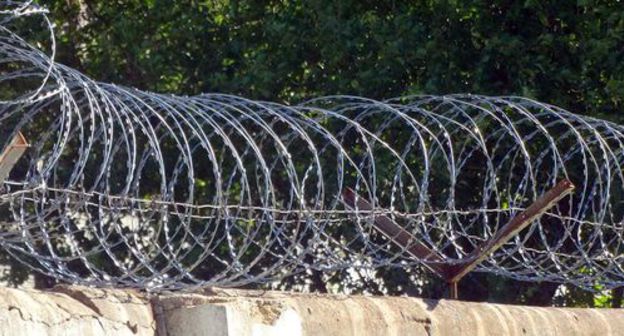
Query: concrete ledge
[[74, 311], [232, 312], [85, 311]]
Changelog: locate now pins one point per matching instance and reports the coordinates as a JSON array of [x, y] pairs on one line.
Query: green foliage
[[562, 52]]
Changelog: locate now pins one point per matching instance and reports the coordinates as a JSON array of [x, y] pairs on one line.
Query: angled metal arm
[[12, 153], [452, 273], [509, 230], [399, 235]]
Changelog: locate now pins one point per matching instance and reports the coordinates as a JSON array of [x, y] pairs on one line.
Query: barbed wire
[[131, 188]]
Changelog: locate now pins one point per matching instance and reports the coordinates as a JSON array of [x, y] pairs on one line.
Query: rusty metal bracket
[[513, 227], [399, 235], [12, 154], [452, 273]]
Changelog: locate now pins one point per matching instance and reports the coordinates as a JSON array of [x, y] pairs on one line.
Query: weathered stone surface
[[271, 313], [74, 311], [87, 311]]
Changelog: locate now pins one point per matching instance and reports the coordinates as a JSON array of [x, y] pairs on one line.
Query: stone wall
[[86, 311], [75, 311]]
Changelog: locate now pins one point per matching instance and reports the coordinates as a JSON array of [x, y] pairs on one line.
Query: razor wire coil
[[131, 188]]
